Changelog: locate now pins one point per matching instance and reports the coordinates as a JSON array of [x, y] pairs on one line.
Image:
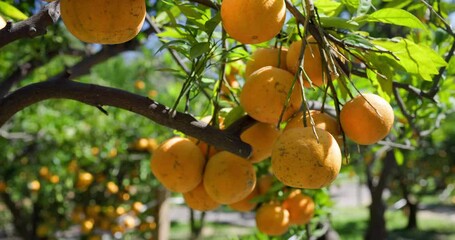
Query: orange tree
[[336, 50]]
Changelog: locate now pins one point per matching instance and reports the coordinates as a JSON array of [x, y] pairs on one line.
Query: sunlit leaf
[[415, 59], [9, 11], [394, 16]]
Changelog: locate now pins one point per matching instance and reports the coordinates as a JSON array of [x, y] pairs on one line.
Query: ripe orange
[[263, 57], [3, 186], [84, 179], [178, 164], [368, 119], [272, 219], [112, 187], [300, 207], [321, 120], [228, 178], [253, 21], [34, 185], [104, 22], [198, 199], [265, 182], [87, 225], [247, 204], [261, 137], [265, 93], [311, 63], [300, 161]]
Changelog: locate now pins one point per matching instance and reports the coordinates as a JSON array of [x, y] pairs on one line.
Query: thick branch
[[61, 88], [34, 26]]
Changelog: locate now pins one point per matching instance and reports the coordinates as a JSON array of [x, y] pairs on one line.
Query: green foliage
[[9, 11]]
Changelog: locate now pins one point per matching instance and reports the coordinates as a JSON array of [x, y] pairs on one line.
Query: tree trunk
[[377, 226], [163, 222], [412, 218]]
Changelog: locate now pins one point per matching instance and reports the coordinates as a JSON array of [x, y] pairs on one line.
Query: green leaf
[[212, 23], [10, 11], [328, 7], [198, 49], [394, 16], [336, 22], [351, 5], [398, 3], [233, 115], [399, 157], [364, 7], [415, 59], [383, 85]]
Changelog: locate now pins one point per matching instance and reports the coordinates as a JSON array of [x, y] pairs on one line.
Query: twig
[[34, 26]]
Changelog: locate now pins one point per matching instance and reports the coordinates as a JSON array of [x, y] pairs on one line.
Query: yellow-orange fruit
[[368, 119], [265, 182], [103, 21], [228, 178], [321, 120], [263, 57], [300, 207], [253, 21], [300, 161], [84, 179], [3, 186], [265, 93], [198, 199], [311, 63], [247, 204], [261, 137], [272, 219], [34, 185], [178, 164]]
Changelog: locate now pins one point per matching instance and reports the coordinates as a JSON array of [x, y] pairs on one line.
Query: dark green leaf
[[198, 49]]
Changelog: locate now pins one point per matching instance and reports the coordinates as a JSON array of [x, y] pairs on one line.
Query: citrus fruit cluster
[[208, 179]]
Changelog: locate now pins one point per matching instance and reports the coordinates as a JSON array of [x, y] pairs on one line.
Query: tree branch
[[34, 26], [62, 88]]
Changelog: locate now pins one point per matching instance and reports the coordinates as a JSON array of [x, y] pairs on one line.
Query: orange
[[84, 179], [247, 204], [265, 182], [178, 164], [87, 225], [368, 119], [101, 21], [311, 63], [253, 21], [265, 93], [261, 137], [3, 186], [112, 187], [34, 185], [263, 57], [272, 219], [300, 207], [198, 199], [228, 178], [300, 161], [44, 172], [321, 120]]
